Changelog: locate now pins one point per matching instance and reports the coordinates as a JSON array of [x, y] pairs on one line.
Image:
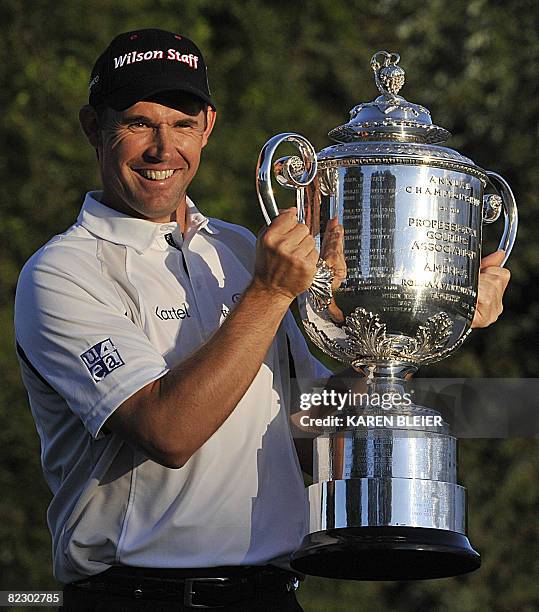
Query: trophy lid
[[390, 116]]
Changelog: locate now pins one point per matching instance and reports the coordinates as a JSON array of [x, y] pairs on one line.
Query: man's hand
[[332, 251], [493, 281], [286, 256]]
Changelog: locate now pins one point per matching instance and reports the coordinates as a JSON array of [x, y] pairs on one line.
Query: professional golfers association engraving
[[396, 290]]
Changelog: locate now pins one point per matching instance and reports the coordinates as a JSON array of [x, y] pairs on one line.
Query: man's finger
[[295, 235], [286, 213], [306, 247], [286, 220], [493, 272], [494, 259], [332, 223]]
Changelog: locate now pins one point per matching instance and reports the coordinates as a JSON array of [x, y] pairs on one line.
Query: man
[[154, 345]]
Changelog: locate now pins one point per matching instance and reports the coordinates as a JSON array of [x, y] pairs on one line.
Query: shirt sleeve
[[74, 331]]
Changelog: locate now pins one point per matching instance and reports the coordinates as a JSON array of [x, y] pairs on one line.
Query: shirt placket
[[198, 286], [185, 279]]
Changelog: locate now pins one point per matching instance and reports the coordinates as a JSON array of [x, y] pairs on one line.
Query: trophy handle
[[264, 189], [492, 205], [297, 174]]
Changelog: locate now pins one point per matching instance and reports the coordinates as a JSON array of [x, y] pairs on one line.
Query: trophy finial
[[389, 116], [389, 77]]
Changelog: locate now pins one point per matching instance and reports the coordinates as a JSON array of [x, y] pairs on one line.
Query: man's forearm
[[181, 410]]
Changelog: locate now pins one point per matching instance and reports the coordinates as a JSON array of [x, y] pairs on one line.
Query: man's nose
[[162, 147]]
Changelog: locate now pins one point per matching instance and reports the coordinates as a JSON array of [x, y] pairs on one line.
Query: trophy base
[[385, 553]]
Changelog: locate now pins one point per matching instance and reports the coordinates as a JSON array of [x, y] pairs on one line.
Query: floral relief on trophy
[[369, 337], [331, 347]]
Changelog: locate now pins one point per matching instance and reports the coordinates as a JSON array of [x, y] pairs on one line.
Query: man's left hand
[[493, 281]]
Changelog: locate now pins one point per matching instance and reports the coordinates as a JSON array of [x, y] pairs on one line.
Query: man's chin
[[156, 210]]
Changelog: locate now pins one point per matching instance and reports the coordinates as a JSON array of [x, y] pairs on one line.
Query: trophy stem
[[396, 370]]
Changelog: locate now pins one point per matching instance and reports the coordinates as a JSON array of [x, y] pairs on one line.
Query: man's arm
[[172, 417]]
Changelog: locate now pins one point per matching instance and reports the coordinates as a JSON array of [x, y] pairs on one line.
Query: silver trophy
[[398, 221]]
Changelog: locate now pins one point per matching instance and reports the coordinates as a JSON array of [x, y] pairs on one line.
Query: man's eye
[[183, 125], [138, 125]]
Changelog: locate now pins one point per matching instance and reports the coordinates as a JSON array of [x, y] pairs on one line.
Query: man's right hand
[[286, 256]]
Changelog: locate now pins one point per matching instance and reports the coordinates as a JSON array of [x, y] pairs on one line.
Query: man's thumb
[[494, 259]]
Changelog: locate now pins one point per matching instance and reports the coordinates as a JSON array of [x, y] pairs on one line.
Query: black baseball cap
[[139, 64]]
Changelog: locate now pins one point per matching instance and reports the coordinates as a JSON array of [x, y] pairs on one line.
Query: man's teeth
[[156, 175]]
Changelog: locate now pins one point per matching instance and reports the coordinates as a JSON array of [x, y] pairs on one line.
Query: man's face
[[149, 154]]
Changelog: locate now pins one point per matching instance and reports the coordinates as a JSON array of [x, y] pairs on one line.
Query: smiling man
[[150, 152], [155, 346], [159, 391]]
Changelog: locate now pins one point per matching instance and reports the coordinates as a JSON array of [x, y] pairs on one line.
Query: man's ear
[[90, 124], [210, 122]]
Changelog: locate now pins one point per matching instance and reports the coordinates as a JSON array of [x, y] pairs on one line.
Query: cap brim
[[142, 89]]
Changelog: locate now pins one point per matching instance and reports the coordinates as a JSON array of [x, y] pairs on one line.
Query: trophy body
[[411, 256], [397, 290]]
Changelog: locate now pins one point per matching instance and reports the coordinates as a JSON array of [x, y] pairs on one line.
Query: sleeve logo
[[102, 359]]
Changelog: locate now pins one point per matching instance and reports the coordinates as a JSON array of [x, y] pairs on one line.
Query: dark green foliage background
[[279, 66]]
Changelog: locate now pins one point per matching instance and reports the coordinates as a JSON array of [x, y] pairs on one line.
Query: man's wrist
[[269, 296]]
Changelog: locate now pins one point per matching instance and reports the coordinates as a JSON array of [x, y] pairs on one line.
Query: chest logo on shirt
[[166, 314], [102, 359]]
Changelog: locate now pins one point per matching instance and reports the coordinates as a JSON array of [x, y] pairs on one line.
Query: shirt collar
[[138, 234]]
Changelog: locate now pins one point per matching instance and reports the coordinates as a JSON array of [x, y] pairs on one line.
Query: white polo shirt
[[106, 308]]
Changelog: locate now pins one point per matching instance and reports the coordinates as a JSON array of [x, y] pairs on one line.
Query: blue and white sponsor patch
[[102, 359]]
